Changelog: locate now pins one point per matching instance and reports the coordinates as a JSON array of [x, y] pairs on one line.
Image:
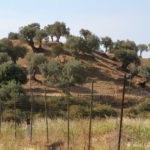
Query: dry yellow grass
[[136, 135]]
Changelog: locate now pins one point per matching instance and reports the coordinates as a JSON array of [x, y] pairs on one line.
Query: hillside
[[101, 67]]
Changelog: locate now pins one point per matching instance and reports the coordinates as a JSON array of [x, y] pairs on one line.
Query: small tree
[[76, 44], [144, 71], [73, 73], [52, 72], [92, 42], [69, 74], [40, 35], [141, 48], [126, 45], [127, 57], [50, 31], [34, 61], [107, 43], [57, 49], [4, 58], [60, 29], [29, 33], [11, 71], [85, 33], [14, 52], [9, 90], [13, 36]]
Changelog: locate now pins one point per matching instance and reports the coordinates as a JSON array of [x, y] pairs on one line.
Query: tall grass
[[136, 135]]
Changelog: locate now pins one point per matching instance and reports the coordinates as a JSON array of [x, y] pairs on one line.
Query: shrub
[[57, 50], [77, 111], [104, 111], [144, 106], [132, 112], [9, 115]]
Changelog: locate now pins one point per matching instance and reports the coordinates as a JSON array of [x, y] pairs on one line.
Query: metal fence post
[[31, 115], [90, 124], [15, 115], [68, 121], [121, 115], [0, 117], [46, 120]]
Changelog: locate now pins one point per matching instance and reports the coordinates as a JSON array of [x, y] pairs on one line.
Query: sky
[[119, 19]]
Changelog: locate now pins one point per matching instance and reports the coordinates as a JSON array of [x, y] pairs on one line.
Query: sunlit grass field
[[136, 135]]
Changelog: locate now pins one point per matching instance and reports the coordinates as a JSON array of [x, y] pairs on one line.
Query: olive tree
[[11, 71], [107, 43], [15, 52], [127, 57], [64, 75], [34, 61], [141, 48], [4, 58], [29, 33], [57, 30]]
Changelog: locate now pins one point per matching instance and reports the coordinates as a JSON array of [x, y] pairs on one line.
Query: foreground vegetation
[[136, 135]]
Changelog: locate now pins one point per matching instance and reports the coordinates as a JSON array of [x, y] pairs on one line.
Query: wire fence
[[31, 105]]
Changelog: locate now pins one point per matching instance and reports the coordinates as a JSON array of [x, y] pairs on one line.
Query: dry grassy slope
[[108, 78]]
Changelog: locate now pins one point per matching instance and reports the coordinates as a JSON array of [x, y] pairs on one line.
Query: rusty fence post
[[46, 118], [68, 119], [31, 110], [90, 123], [121, 115], [15, 125]]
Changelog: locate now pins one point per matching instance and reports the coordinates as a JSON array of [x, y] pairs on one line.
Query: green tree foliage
[[14, 52], [71, 73], [57, 49], [34, 60], [127, 57], [144, 71], [29, 33], [57, 30], [92, 43], [85, 33], [40, 35], [141, 48], [107, 43], [50, 31], [11, 71], [13, 36], [9, 90], [4, 58], [76, 44], [52, 72], [127, 45]]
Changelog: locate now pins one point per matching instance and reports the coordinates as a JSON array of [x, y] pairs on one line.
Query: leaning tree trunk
[[57, 38], [40, 44], [52, 38], [31, 43], [141, 54], [106, 49], [33, 75]]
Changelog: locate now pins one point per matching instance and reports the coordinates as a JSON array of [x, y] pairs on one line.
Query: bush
[[132, 112], [77, 111], [104, 111], [9, 115], [144, 106], [57, 50]]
